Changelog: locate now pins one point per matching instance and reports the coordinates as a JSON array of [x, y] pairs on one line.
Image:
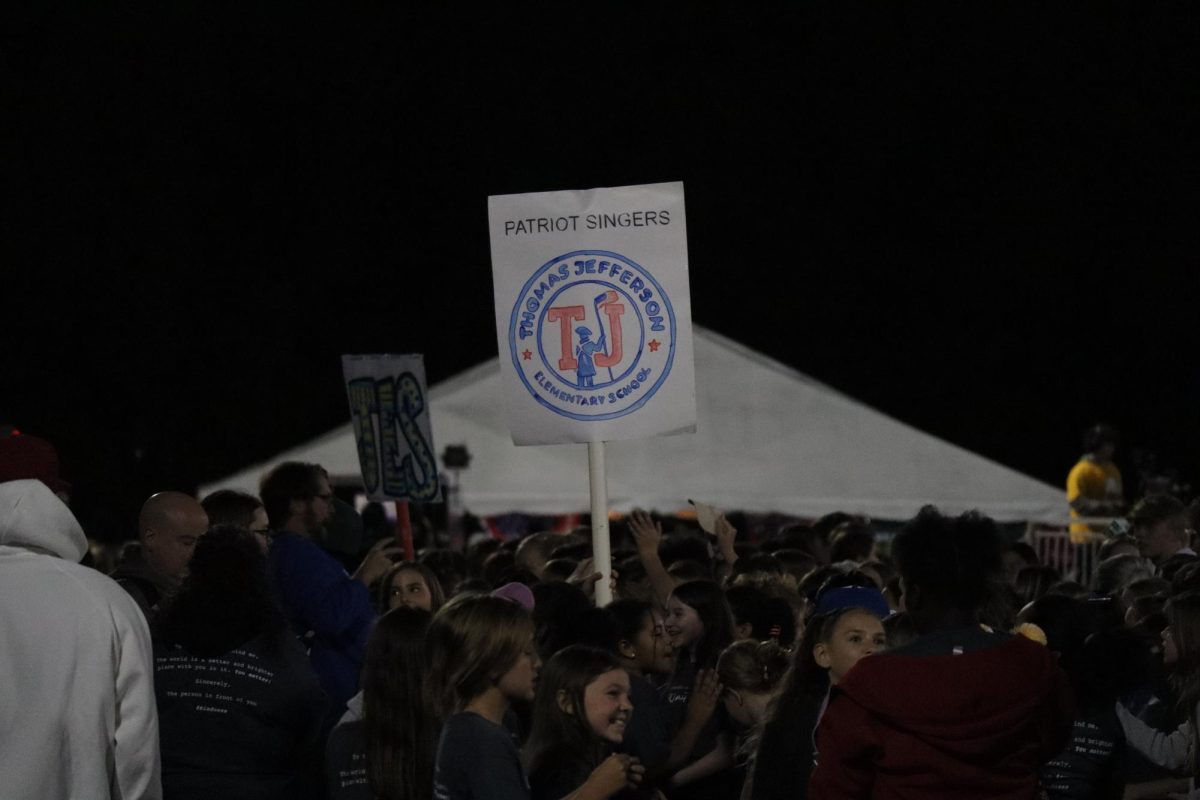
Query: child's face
[[606, 705], [520, 682], [683, 624], [855, 634], [409, 589], [655, 655]]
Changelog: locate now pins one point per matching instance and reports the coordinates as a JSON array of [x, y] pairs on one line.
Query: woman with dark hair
[[961, 711], [383, 749], [239, 708]]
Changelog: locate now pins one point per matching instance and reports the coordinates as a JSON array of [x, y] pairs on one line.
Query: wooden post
[[404, 530]]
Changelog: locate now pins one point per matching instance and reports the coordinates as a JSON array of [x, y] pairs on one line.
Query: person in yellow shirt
[[1094, 484]]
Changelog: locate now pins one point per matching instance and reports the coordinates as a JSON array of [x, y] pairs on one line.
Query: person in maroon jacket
[[960, 712]]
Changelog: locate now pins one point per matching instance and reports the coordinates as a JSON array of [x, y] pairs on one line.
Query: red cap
[[24, 457]]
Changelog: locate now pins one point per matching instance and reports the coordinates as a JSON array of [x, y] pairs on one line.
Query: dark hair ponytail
[[400, 727]]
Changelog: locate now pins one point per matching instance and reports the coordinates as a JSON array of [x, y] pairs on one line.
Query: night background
[[981, 222]]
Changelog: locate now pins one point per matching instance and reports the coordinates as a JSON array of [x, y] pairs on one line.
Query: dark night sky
[[982, 225]]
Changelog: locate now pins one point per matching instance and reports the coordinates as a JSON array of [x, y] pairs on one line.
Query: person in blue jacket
[[328, 608]]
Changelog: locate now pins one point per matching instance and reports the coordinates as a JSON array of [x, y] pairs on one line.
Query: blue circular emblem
[[592, 335]]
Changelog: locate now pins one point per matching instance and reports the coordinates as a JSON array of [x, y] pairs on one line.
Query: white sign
[[593, 313], [390, 414]]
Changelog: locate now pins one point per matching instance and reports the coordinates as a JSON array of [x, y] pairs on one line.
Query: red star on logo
[[654, 344], [527, 355]]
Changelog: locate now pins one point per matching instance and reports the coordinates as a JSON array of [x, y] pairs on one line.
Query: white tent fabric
[[768, 439]]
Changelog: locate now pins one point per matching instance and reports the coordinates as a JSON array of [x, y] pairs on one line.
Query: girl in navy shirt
[[482, 657]]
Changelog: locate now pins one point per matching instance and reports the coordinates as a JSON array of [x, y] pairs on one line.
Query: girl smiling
[[579, 718]]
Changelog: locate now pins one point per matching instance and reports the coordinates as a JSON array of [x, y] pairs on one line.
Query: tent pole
[[601, 551]]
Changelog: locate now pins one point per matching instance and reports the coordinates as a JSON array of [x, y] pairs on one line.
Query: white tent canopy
[[768, 439]]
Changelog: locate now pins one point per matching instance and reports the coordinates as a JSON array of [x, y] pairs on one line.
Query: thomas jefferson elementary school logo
[[592, 335]]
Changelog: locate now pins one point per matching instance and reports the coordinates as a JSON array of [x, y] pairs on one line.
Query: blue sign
[[592, 335]]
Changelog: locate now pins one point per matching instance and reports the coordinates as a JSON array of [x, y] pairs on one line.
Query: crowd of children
[[802, 662], [776, 673]]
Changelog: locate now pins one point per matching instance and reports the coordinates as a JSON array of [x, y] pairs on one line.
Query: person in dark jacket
[[1107, 665], [169, 526], [959, 712], [239, 708]]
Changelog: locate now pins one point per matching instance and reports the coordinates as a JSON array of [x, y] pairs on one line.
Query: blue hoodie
[[325, 606]]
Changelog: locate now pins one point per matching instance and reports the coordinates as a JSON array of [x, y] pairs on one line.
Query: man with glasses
[[330, 609], [245, 511]]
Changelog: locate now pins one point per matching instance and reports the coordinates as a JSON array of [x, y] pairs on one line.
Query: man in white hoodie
[[76, 666]]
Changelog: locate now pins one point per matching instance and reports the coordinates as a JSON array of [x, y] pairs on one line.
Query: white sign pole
[[601, 547], [593, 313]]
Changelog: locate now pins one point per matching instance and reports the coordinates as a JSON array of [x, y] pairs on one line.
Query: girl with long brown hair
[[1176, 750], [383, 749]]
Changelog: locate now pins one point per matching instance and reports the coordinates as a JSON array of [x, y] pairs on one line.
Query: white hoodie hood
[[32, 517], [77, 687]]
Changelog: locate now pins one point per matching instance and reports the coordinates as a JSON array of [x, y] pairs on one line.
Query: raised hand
[[377, 561], [706, 693], [647, 533]]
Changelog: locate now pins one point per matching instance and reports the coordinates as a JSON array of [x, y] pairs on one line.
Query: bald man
[[168, 528]]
